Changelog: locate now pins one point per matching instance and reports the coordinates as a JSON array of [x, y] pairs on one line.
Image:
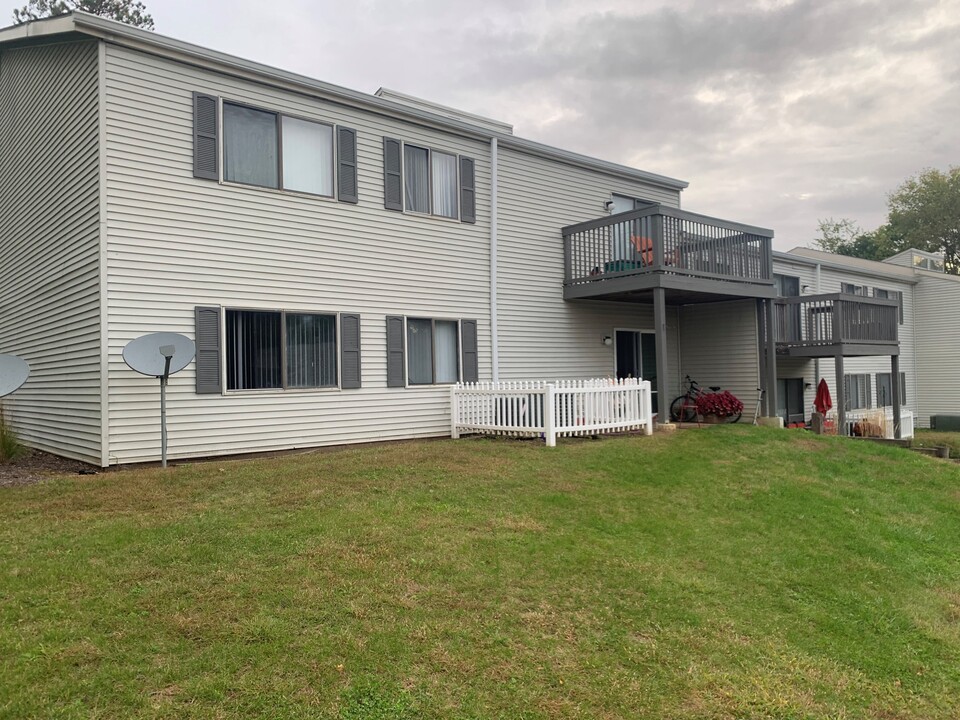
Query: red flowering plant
[[722, 404]]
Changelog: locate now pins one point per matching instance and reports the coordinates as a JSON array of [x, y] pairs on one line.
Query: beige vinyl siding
[[718, 346], [176, 242], [540, 335], [937, 319], [49, 243]]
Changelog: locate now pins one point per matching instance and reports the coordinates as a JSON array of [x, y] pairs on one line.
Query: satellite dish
[[13, 373], [160, 355], [148, 353]]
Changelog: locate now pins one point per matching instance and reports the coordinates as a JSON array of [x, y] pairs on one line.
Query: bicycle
[[684, 408]]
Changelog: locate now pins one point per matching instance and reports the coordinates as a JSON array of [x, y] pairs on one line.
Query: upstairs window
[[250, 149], [272, 150], [307, 156], [422, 180], [429, 181], [891, 295], [851, 289]]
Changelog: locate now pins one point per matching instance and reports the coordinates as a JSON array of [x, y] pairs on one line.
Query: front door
[[790, 400], [636, 354]]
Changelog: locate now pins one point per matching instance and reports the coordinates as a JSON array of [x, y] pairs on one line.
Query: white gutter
[[494, 192]]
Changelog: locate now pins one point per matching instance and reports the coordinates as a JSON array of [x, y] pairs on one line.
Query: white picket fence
[[878, 420], [551, 409]]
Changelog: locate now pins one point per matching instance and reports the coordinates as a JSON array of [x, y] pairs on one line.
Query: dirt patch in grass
[[34, 466]]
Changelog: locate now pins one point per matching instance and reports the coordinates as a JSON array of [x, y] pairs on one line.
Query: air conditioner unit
[[945, 422]]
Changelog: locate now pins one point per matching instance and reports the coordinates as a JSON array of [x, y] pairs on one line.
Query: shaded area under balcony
[[694, 258], [839, 324]]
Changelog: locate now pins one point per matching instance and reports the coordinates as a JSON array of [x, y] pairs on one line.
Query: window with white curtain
[[432, 351], [274, 349], [307, 156], [444, 182], [416, 179], [252, 151], [430, 182]]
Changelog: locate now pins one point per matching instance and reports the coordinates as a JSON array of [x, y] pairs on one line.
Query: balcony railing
[[660, 239], [835, 319]]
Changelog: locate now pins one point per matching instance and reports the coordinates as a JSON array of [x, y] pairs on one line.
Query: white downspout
[[494, 190]]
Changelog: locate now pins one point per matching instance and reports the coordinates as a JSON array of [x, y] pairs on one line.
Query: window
[[885, 391], [432, 352], [430, 181], [851, 289], [421, 180], [786, 285], [252, 142], [307, 156], [891, 295], [274, 349], [250, 154], [416, 179], [856, 391], [927, 263], [426, 351]]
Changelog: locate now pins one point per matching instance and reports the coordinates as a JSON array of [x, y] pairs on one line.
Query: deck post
[[762, 356], [771, 389], [660, 335], [841, 396], [895, 389]]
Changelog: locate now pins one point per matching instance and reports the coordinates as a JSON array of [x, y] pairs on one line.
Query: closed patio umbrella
[[823, 402]]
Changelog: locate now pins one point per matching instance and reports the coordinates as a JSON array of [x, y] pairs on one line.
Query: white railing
[[551, 409], [877, 422]]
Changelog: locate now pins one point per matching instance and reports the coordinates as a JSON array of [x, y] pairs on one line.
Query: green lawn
[[734, 572], [934, 438]]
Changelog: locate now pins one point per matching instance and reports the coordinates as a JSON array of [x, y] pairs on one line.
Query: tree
[[925, 214], [845, 237], [125, 11]]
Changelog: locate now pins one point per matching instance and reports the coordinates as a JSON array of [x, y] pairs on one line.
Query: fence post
[[646, 400], [454, 414], [549, 424]]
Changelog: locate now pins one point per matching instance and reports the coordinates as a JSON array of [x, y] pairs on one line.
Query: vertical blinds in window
[[311, 350]]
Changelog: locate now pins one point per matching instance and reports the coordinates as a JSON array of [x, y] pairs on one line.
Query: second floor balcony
[[625, 256], [827, 325]]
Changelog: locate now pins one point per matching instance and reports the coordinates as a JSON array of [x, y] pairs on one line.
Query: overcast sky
[[777, 113]]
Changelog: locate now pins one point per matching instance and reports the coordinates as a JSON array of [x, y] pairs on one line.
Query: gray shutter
[[392, 174], [349, 350], [468, 191], [208, 350], [205, 141], [468, 350], [347, 165], [396, 365]]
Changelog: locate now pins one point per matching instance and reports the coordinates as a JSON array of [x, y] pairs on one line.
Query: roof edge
[[153, 43], [884, 272]]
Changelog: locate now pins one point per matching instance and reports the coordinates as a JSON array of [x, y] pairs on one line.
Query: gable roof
[[83, 24]]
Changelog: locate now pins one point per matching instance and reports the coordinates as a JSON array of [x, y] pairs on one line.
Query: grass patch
[[10, 447], [935, 438], [735, 572]]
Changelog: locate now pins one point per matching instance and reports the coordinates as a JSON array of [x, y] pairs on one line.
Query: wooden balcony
[[828, 325], [694, 257]]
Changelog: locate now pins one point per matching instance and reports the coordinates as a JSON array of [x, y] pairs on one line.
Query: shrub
[[10, 447], [722, 404]]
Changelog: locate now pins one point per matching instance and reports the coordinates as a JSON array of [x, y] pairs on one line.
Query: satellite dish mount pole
[[167, 352]]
